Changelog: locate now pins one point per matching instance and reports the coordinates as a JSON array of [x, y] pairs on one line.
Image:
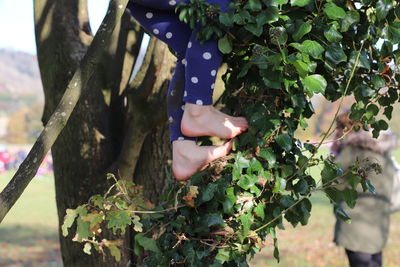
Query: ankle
[[194, 110]]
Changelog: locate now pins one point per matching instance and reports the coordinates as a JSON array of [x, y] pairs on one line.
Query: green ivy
[[279, 54]]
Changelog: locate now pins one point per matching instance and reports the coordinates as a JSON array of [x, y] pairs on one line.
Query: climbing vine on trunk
[[279, 54]]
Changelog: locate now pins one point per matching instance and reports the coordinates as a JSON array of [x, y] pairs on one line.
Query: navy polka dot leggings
[[197, 65]]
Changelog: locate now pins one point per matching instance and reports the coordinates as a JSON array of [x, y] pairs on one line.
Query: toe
[[219, 151]]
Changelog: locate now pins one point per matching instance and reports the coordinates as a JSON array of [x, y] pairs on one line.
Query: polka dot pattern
[[207, 56], [199, 102], [156, 31], [181, 138], [213, 73], [170, 119], [190, 45], [194, 80], [168, 35], [149, 15], [184, 61], [185, 94], [212, 86], [172, 2]]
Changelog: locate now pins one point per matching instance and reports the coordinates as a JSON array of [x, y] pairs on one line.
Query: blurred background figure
[[367, 234], [5, 158]]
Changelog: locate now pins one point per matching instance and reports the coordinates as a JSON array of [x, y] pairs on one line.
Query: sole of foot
[[189, 158]]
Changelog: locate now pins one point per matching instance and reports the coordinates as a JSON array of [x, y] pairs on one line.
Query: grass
[[29, 233]]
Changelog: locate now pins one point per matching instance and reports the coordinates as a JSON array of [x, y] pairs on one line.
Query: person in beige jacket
[[367, 234]]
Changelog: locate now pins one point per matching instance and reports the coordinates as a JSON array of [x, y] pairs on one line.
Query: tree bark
[[102, 131]]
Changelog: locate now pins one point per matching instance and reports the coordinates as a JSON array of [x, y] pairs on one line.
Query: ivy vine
[[279, 54]]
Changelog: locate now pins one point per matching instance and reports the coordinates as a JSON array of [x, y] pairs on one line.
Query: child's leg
[[159, 4], [200, 118], [203, 61], [166, 26], [175, 103]]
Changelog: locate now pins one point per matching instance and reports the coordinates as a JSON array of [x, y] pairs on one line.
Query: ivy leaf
[[268, 15], [278, 35], [299, 3], [353, 180], [241, 161], [302, 29], [259, 210], [316, 83], [247, 181], [329, 172], [392, 32], [226, 19], [301, 187], [253, 5], [350, 196], [230, 199], [287, 170], [246, 223], [278, 2], [280, 185], [208, 193], [287, 201], [335, 54], [254, 29], [371, 111], [312, 48], [269, 155], [212, 219], [382, 8], [352, 17], [388, 112], [363, 61], [301, 67], [223, 255], [378, 81], [147, 243], [224, 45], [333, 11], [242, 18], [332, 34], [284, 141], [255, 166]]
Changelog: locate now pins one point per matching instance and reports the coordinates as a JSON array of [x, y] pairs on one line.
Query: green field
[[28, 235]]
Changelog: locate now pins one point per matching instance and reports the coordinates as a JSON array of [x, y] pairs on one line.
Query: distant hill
[[20, 84]]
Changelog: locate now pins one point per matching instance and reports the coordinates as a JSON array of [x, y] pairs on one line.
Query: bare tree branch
[[146, 106]]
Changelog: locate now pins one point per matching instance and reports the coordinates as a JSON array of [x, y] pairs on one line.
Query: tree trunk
[[93, 141]]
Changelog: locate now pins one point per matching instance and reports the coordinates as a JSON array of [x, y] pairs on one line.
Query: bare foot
[[189, 158], [207, 121]]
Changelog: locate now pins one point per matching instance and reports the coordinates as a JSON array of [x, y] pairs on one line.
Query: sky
[[17, 25]]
